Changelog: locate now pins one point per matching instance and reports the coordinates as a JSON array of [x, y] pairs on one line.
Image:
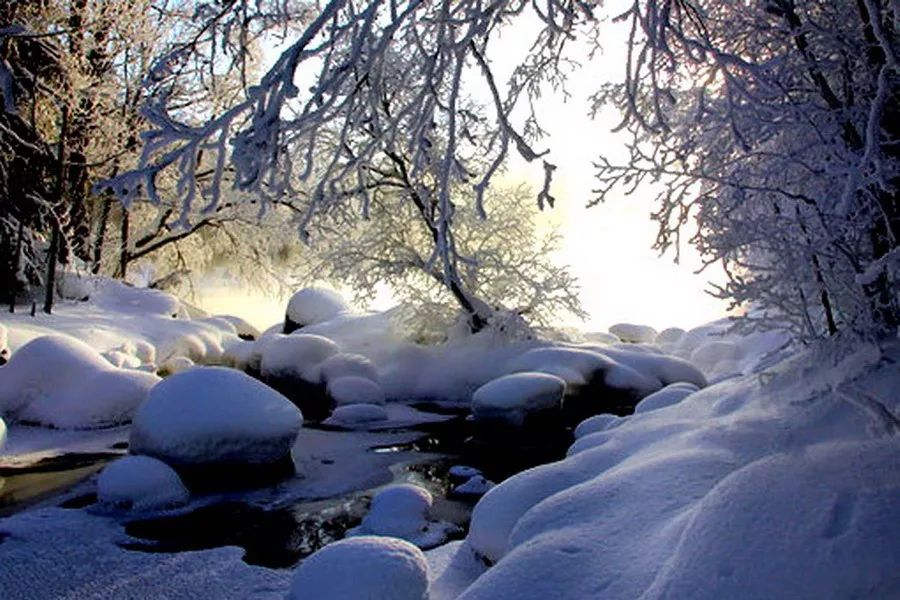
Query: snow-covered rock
[[58, 381], [242, 328], [175, 364], [402, 511], [635, 334], [345, 365], [512, 398], [141, 483], [214, 417], [295, 356], [476, 486], [357, 414], [313, 305], [355, 390], [462, 473], [120, 359], [368, 567], [667, 338], [669, 395]]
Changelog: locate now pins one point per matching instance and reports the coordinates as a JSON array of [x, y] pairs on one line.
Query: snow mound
[[345, 365], [175, 364], [461, 473], [669, 337], [355, 390], [772, 485], [120, 359], [598, 423], [141, 483], [634, 334], [357, 414], [295, 356], [399, 511], [242, 328], [512, 398], [58, 381], [312, 305], [669, 395], [110, 295], [371, 568], [214, 415]]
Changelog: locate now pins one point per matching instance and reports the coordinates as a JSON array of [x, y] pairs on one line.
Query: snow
[[598, 423], [141, 483], [669, 395], [669, 337], [294, 356], [476, 485], [210, 415], [631, 333], [770, 484], [58, 381], [370, 567], [462, 472], [512, 398], [2, 434], [345, 365], [355, 390], [403, 511], [175, 364], [311, 305], [357, 414]]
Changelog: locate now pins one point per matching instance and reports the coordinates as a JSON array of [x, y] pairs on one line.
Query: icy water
[[280, 525]]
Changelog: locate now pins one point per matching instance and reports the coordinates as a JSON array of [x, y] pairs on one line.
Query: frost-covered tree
[[509, 265], [776, 124]]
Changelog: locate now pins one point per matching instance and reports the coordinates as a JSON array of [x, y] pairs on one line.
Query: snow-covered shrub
[[59, 381], [141, 483], [370, 567], [215, 415]]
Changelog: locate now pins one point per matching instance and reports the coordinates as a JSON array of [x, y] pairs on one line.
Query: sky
[[607, 246]]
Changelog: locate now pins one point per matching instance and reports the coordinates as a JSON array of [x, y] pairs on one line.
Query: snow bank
[[214, 415], [355, 390], [512, 398], [58, 381], [312, 305], [772, 485], [669, 395], [374, 568], [141, 483]]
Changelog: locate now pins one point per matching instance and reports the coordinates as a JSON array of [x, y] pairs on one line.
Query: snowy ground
[[780, 479]]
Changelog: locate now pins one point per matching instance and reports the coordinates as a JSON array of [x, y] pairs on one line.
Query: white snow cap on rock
[[355, 390], [357, 414], [476, 485], [598, 423], [510, 398], [141, 483], [315, 305], [635, 334], [61, 382], [398, 511], [344, 365], [214, 414], [363, 568], [295, 356]]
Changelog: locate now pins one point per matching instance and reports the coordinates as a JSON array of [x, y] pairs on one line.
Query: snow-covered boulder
[[141, 483], [462, 473], [475, 487], [368, 567], [667, 338], [295, 356], [352, 415], [355, 390], [669, 395], [313, 305], [58, 381], [345, 365], [120, 359], [634, 334], [402, 511], [242, 328], [213, 421], [175, 364], [512, 399]]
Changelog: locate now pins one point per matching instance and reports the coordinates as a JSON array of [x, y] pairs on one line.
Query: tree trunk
[[101, 234], [123, 248], [55, 241]]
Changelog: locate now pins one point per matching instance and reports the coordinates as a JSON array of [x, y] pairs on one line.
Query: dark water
[[279, 537]]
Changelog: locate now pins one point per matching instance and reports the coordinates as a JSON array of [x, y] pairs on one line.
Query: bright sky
[[607, 246]]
